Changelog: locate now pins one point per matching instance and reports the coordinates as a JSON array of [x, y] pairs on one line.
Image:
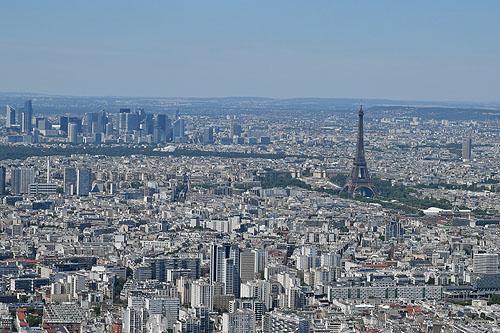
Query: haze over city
[[249, 167]]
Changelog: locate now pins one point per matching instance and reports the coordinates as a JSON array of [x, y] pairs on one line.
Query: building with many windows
[[83, 181], [485, 263], [42, 189], [281, 322], [21, 179], [10, 117], [27, 117], [240, 321]]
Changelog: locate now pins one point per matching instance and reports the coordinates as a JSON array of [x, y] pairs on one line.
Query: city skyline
[[371, 206], [227, 215]]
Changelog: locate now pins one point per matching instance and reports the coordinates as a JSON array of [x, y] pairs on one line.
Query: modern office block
[[161, 266], [235, 129], [485, 263], [208, 135], [261, 259], [225, 267], [165, 306], [69, 180], [394, 230], [178, 130], [42, 189], [43, 124], [241, 321], [247, 266], [277, 321], [73, 133], [202, 294], [10, 117], [148, 124], [83, 181], [128, 121], [96, 122], [27, 117], [2, 181], [64, 122], [21, 179], [467, 149]]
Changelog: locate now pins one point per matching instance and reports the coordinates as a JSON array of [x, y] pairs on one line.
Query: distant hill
[[56, 104]]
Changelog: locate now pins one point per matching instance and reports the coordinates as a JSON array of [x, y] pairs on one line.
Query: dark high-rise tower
[[96, 122], [83, 181], [2, 180], [27, 117], [178, 130], [225, 267], [467, 148], [69, 180], [208, 135], [359, 181], [21, 179]]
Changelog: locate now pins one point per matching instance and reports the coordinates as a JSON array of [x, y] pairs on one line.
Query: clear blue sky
[[417, 50]]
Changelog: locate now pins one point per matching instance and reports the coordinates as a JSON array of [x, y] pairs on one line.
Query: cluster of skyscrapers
[[182, 243], [77, 181], [23, 181], [22, 118], [96, 127]]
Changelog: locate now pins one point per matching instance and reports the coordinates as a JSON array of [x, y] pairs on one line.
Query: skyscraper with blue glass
[[26, 117]]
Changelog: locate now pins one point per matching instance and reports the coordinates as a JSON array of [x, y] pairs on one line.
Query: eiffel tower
[[359, 181]]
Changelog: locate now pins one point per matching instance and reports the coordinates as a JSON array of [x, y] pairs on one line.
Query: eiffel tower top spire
[[360, 144], [359, 179]]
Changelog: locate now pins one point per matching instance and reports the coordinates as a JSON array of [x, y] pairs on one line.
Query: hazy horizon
[[33, 95]]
